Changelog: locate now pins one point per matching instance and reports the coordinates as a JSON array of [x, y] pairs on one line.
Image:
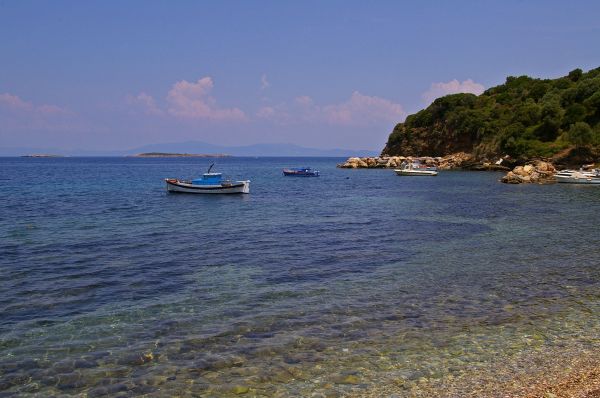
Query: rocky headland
[[528, 127]]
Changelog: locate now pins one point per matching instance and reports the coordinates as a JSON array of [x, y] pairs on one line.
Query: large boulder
[[528, 169], [520, 171], [538, 172], [454, 161], [511, 178], [545, 167]]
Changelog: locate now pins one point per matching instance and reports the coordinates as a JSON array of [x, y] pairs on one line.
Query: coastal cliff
[[523, 118]]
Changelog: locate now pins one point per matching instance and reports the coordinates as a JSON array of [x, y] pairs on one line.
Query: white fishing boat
[[578, 176], [209, 183], [416, 169]]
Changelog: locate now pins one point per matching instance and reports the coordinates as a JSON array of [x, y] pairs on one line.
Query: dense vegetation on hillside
[[524, 117]]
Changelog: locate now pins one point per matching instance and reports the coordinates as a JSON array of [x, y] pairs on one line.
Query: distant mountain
[[250, 150], [23, 151], [200, 147]]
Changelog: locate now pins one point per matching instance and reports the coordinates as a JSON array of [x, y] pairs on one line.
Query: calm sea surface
[[340, 285]]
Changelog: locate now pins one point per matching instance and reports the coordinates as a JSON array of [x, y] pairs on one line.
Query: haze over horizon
[[106, 75]]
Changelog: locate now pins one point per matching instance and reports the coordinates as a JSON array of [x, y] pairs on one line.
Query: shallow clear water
[[333, 285]]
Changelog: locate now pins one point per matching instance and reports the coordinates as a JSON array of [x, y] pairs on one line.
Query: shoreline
[[460, 160], [572, 374]]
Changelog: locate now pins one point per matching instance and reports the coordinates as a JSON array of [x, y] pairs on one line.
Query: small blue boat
[[301, 172]]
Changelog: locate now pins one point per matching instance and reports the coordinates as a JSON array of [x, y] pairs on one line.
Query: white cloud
[[452, 87], [187, 100], [15, 104], [304, 100], [51, 110], [146, 103], [264, 83], [266, 112], [19, 114], [191, 100], [363, 110], [358, 110]]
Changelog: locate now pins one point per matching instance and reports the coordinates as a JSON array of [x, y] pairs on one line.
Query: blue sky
[[113, 74]]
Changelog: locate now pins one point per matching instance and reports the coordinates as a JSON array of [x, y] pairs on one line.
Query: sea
[[355, 283]]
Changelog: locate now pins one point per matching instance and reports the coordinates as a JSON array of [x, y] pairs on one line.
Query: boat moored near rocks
[[416, 169], [578, 176]]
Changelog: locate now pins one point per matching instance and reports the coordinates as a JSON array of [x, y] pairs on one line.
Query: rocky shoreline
[[460, 160], [535, 171]]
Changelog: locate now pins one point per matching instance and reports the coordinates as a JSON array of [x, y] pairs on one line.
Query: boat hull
[[577, 180], [292, 174], [308, 172], [591, 177], [417, 173], [237, 187]]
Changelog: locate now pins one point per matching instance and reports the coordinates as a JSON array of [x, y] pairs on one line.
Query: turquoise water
[[351, 283]]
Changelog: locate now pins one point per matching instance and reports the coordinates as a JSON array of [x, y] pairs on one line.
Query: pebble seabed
[[539, 363]]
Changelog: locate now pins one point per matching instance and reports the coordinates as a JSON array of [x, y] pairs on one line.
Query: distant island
[[41, 155], [178, 155], [524, 118]]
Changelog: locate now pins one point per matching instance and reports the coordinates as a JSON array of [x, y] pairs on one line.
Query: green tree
[[552, 114], [574, 113], [528, 114], [593, 102], [580, 134], [575, 74], [538, 90]]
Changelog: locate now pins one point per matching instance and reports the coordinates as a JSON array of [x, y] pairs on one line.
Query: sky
[[102, 75]]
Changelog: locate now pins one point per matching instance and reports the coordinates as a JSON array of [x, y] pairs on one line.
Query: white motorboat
[[578, 176], [209, 183], [416, 169]]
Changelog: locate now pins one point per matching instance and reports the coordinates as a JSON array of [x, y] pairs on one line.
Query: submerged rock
[[346, 379], [240, 390], [350, 379]]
